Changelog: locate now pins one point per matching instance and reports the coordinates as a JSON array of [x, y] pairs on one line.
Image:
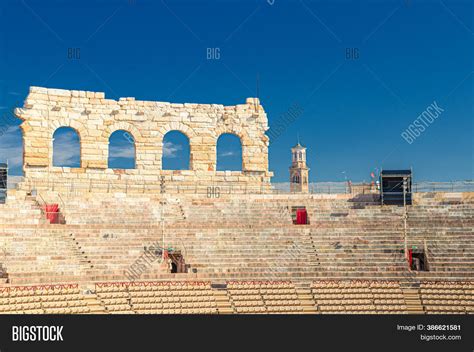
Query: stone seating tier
[[243, 237]]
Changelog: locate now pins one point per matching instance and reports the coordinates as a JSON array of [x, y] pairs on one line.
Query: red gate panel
[[301, 217], [52, 213]]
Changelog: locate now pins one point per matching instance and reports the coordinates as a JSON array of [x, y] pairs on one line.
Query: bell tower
[[299, 171]]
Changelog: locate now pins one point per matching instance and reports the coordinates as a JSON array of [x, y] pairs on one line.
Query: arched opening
[[229, 153], [296, 178], [121, 150], [66, 147], [176, 151], [174, 268]]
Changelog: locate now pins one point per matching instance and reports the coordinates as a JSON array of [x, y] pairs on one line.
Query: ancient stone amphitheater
[[242, 251]]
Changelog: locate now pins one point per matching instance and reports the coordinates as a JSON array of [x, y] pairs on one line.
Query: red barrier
[[301, 217], [410, 257], [52, 213], [38, 287], [152, 283]]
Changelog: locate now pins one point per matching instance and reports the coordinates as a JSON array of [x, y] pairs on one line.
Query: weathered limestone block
[[95, 118], [59, 92], [35, 161], [40, 90]]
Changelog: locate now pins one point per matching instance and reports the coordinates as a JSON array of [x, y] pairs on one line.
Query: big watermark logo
[[37, 333], [285, 120], [151, 254], [144, 262], [426, 118]]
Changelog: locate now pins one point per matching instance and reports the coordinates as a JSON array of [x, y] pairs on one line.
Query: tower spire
[[299, 171]]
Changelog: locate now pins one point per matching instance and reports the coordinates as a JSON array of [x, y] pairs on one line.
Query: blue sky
[[361, 72]]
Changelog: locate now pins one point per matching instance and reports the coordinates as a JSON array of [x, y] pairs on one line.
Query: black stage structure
[[395, 187], [3, 182]]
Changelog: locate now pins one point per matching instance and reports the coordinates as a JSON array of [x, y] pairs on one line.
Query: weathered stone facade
[[95, 118]]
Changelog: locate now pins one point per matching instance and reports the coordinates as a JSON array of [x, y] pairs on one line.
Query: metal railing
[[213, 188], [345, 187], [13, 181], [216, 189], [321, 187], [453, 186]]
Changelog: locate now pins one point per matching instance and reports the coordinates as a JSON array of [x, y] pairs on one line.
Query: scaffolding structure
[[3, 182], [396, 187]]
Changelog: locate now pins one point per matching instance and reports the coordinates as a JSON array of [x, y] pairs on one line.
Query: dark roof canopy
[[3, 166], [396, 173]]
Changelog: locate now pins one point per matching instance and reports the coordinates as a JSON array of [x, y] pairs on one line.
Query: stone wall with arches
[[95, 118]]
